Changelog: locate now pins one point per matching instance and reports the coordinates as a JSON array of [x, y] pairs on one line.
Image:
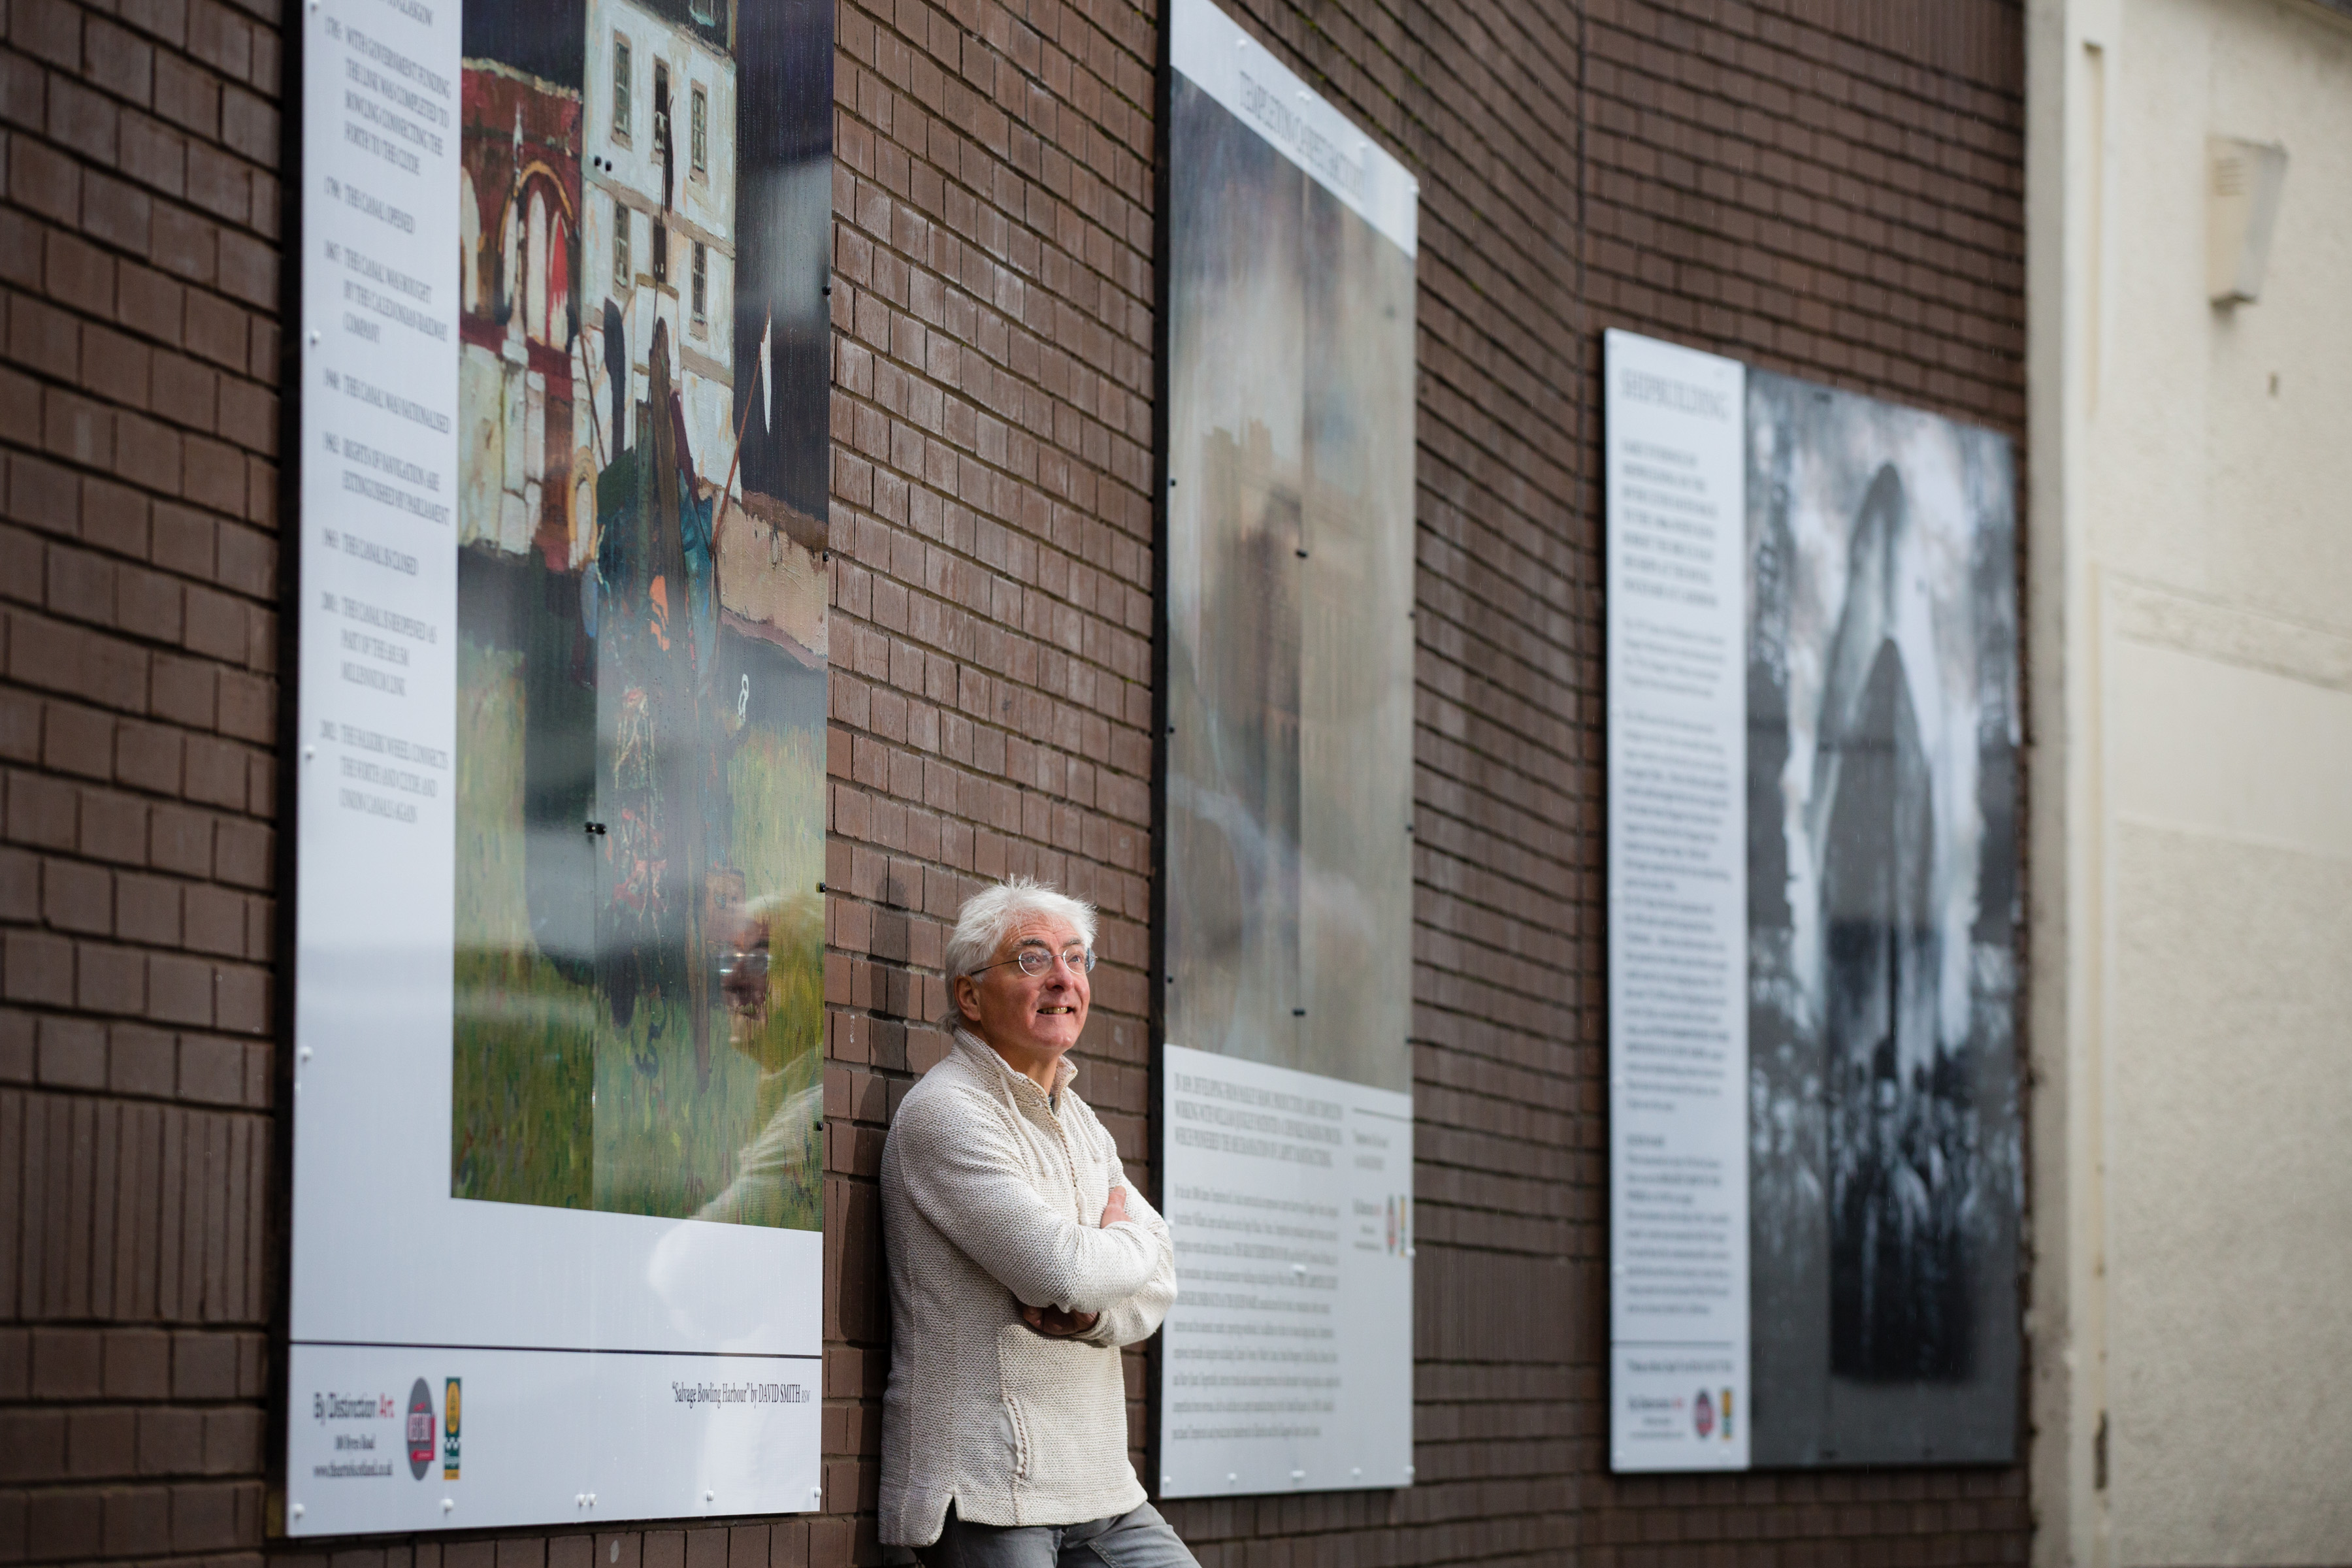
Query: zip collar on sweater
[[1014, 1082]]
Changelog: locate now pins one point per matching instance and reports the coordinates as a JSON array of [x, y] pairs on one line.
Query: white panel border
[[1209, 49]]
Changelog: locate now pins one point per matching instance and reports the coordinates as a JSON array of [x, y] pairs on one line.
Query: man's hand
[[1055, 1324], [1052, 1321]]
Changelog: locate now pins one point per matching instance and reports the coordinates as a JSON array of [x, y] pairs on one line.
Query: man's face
[[1042, 1011]]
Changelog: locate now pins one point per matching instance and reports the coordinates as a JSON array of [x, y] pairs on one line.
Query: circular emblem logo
[[420, 1430]]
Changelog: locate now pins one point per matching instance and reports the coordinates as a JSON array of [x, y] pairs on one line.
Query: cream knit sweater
[[990, 1197]]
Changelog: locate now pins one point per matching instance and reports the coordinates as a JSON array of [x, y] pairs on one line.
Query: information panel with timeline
[[559, 815]]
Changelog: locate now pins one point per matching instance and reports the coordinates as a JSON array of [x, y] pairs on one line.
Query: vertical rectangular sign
[[1677, 908], [1287, 1105], [559, 817]]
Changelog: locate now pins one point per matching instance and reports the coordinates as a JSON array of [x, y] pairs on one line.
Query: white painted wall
[[2192, 672]]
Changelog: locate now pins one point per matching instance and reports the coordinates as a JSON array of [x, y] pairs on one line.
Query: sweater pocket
[[1068, 1405]]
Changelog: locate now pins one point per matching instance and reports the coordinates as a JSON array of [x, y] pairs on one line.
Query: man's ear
[[967, 997]]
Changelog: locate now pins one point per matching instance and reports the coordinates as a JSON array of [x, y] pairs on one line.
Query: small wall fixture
[[2242, 201]]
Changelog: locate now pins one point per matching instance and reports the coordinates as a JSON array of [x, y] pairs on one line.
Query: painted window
[[661, 111], [701, 279], [620, 80], [534, 279], [621, 223], [701, 132]]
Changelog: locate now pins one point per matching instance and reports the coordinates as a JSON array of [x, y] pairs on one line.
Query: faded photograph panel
[[641, 670], [1289, 583], [1883, 733], [1356, 651]]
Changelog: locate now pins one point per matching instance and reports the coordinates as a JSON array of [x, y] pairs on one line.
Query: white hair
[[988, 914]]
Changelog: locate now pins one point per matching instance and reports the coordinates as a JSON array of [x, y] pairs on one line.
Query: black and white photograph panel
[[1883, 915]]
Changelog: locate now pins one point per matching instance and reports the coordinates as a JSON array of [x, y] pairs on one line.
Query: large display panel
[[560, 815], [1845, 992], [1286, 1362]]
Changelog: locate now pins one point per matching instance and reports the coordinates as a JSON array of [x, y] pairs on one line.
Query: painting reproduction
[[1883, 735], [644, 212]]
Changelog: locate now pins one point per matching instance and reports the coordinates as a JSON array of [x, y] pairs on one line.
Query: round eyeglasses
[[1036, 961]]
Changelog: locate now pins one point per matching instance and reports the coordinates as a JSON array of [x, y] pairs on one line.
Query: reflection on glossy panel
[[638, 1012]]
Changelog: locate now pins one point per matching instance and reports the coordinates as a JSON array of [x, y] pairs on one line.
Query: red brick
[[20, 886], [36, 967], [101, 1444], [42, 811], [80, 740], [141, 1061], [45, 339], [81, 585], [45, 180], [78, 898], [186, 95], [110, 979], [72, 1053], [147, 908], [179, 990], [66, 1363], [62, 1526], [171, 1442], [181, 839], [118, 60], [212, 1070], [114, 518]]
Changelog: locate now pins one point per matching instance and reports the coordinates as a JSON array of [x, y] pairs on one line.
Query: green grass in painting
[[524, 1036], [555, 1104]]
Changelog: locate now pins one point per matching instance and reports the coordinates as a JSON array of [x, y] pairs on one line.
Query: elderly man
[[1019, 1262]]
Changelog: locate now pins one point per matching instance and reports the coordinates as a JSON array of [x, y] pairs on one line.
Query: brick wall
[[139, 278], [1830, 187]]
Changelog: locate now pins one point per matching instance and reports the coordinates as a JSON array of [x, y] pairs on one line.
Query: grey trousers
[[1138, 1539]]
